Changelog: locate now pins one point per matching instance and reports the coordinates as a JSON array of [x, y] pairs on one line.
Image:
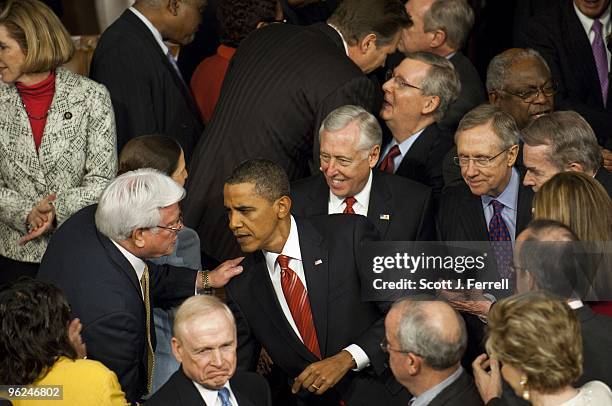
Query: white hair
[[133, 200]]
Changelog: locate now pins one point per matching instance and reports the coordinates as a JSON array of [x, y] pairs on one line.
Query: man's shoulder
[[401, 185], [305, 185], [461, 391], [252, 385], [177, 391]]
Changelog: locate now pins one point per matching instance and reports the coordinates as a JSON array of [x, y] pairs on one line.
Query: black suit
[[329, 247], [423, 161], [147, 94], [462, 392], [408, 205], [281, 83], [560, 37], [104, 292], [471, 95], [605, 178], [250, 389]]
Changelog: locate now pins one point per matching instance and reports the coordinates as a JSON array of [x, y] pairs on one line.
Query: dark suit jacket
[[340, 316], [407, 203], [423, 162], [104, 292], [605, 178], [281, 83], [250, 389], [471, 95], [462, 392], [147, 94], [560, 37]]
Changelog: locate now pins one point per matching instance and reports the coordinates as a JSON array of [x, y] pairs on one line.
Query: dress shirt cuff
[[359, 355]]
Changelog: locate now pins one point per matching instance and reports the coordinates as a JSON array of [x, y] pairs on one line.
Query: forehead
[[412, 69], [528, 72], [207, 329], [346, 138], [242, 194], [418, 8], [477, 140]]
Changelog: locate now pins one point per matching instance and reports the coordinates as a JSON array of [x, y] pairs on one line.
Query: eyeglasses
[[481, 162], [386, 347], [399, 82], [530, 95], [176, 227]]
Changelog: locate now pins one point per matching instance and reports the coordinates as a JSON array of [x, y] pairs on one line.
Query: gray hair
[[502, 123], [498, 71], [570, 137], [418, 334], [454, 17], [370, 133], [133, 200], [441, 80], [197, 306]]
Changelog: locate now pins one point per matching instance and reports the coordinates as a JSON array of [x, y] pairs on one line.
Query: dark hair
[[150, 151], [239, 17], [270, 180], [34, 317], [357, 18]]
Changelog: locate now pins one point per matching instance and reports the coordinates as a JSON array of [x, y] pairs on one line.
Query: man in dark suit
[[558, 142], [349, 139], [574, 46], [425, 357], [307, 294], [148, 93], [416, 97], [441, 27], [282, 82], [204, 343], [98, 258]]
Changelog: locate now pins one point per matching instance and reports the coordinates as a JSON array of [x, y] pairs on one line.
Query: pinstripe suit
[[281, 83], [76, 159]]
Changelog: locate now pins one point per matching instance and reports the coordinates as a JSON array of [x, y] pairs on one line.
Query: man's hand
[[221, 275], [74, 336], [473, 302], [607, 158], [322, 375], [489, 384], [40, 219]]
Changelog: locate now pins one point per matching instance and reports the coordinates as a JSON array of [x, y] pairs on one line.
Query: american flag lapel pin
[[385, 217], [318, 262]]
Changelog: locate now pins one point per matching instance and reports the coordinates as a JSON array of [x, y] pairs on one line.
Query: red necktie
[[299, 305], [387, 164], [350, 201]]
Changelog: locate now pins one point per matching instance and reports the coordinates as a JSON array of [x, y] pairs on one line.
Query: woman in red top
[[57, 135]]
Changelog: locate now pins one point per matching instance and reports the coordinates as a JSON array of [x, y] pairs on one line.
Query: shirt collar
[[405, 145], [137, 263], [290, 249], [210, 395], [575, 304], [426, 397], [363, 197], [509, 197], [587, 22], [341, 37], [151, 28]]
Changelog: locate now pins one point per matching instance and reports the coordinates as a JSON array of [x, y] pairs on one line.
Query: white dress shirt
[[211, 396], [587, 24], [336, 204], [404, 147], [137, 263], [292, 250]]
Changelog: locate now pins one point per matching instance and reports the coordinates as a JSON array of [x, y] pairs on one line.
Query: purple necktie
[[601, 59], [499, 235]]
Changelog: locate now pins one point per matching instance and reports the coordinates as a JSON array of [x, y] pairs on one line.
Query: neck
[[503, 186], [281, 236], [553, 399], [426, 381], [154, 16], [30, 79], [443, 51], [403, 132]]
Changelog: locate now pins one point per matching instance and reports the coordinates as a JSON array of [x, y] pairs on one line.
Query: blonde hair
[[578, 201], [197, 306], [540, 336], [39, 33]]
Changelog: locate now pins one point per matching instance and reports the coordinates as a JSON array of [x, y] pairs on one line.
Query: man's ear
[[172, 6], [283, 205], [431, 105], [513, 154], [439, 38], [575, 167], [493, 97], [413, 364], [176, 349], [373, 156], [138, 237], [367, 43]]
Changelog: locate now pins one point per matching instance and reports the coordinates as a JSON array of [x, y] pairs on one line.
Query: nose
[[541, 98], [234, 221], [529, 179], [471, 170], [330, 169], [388, 86], [216, 359]]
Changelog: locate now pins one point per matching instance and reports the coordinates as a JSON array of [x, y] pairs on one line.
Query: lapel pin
[[318, 262], [67, 115], [385, 217]]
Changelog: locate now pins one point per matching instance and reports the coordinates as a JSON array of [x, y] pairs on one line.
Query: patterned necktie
[[225, 397], [499, 235], [601, 58], [387, 164], [350, 201], [144, 283], [299, 305]]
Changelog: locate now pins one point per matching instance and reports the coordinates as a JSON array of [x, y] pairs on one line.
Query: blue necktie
[[225, 397], [499, 235], [176, 68]]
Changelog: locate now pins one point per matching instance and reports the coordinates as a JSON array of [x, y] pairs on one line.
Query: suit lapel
[[316, 270], [523, 213], [379, 206], [417, 154], [474, 219], [120, 261], [319, 199], [185, 389]]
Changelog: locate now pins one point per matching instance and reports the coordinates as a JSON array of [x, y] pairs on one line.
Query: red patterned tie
[[387, 164], [350, 201], [299, 305]]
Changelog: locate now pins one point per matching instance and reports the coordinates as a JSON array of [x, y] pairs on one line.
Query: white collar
[[137, 263], [575, 304], [151, 28], [290, 249], [210, 395], [363, 197], [587, 22], [341, 37]]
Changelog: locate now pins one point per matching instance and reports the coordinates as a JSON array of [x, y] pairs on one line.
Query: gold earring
[[523, 383]]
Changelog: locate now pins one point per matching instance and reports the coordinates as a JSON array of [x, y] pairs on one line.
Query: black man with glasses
[[417, 94], [100, 259], [425, 357]]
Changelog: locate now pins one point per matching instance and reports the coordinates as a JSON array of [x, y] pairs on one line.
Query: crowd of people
[[184, 239]]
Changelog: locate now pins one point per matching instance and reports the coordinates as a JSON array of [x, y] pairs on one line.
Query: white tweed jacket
[[76, 159]]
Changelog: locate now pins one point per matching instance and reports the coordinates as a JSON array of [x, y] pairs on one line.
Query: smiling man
[[299, 296], [204, 343], [349, 139]]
